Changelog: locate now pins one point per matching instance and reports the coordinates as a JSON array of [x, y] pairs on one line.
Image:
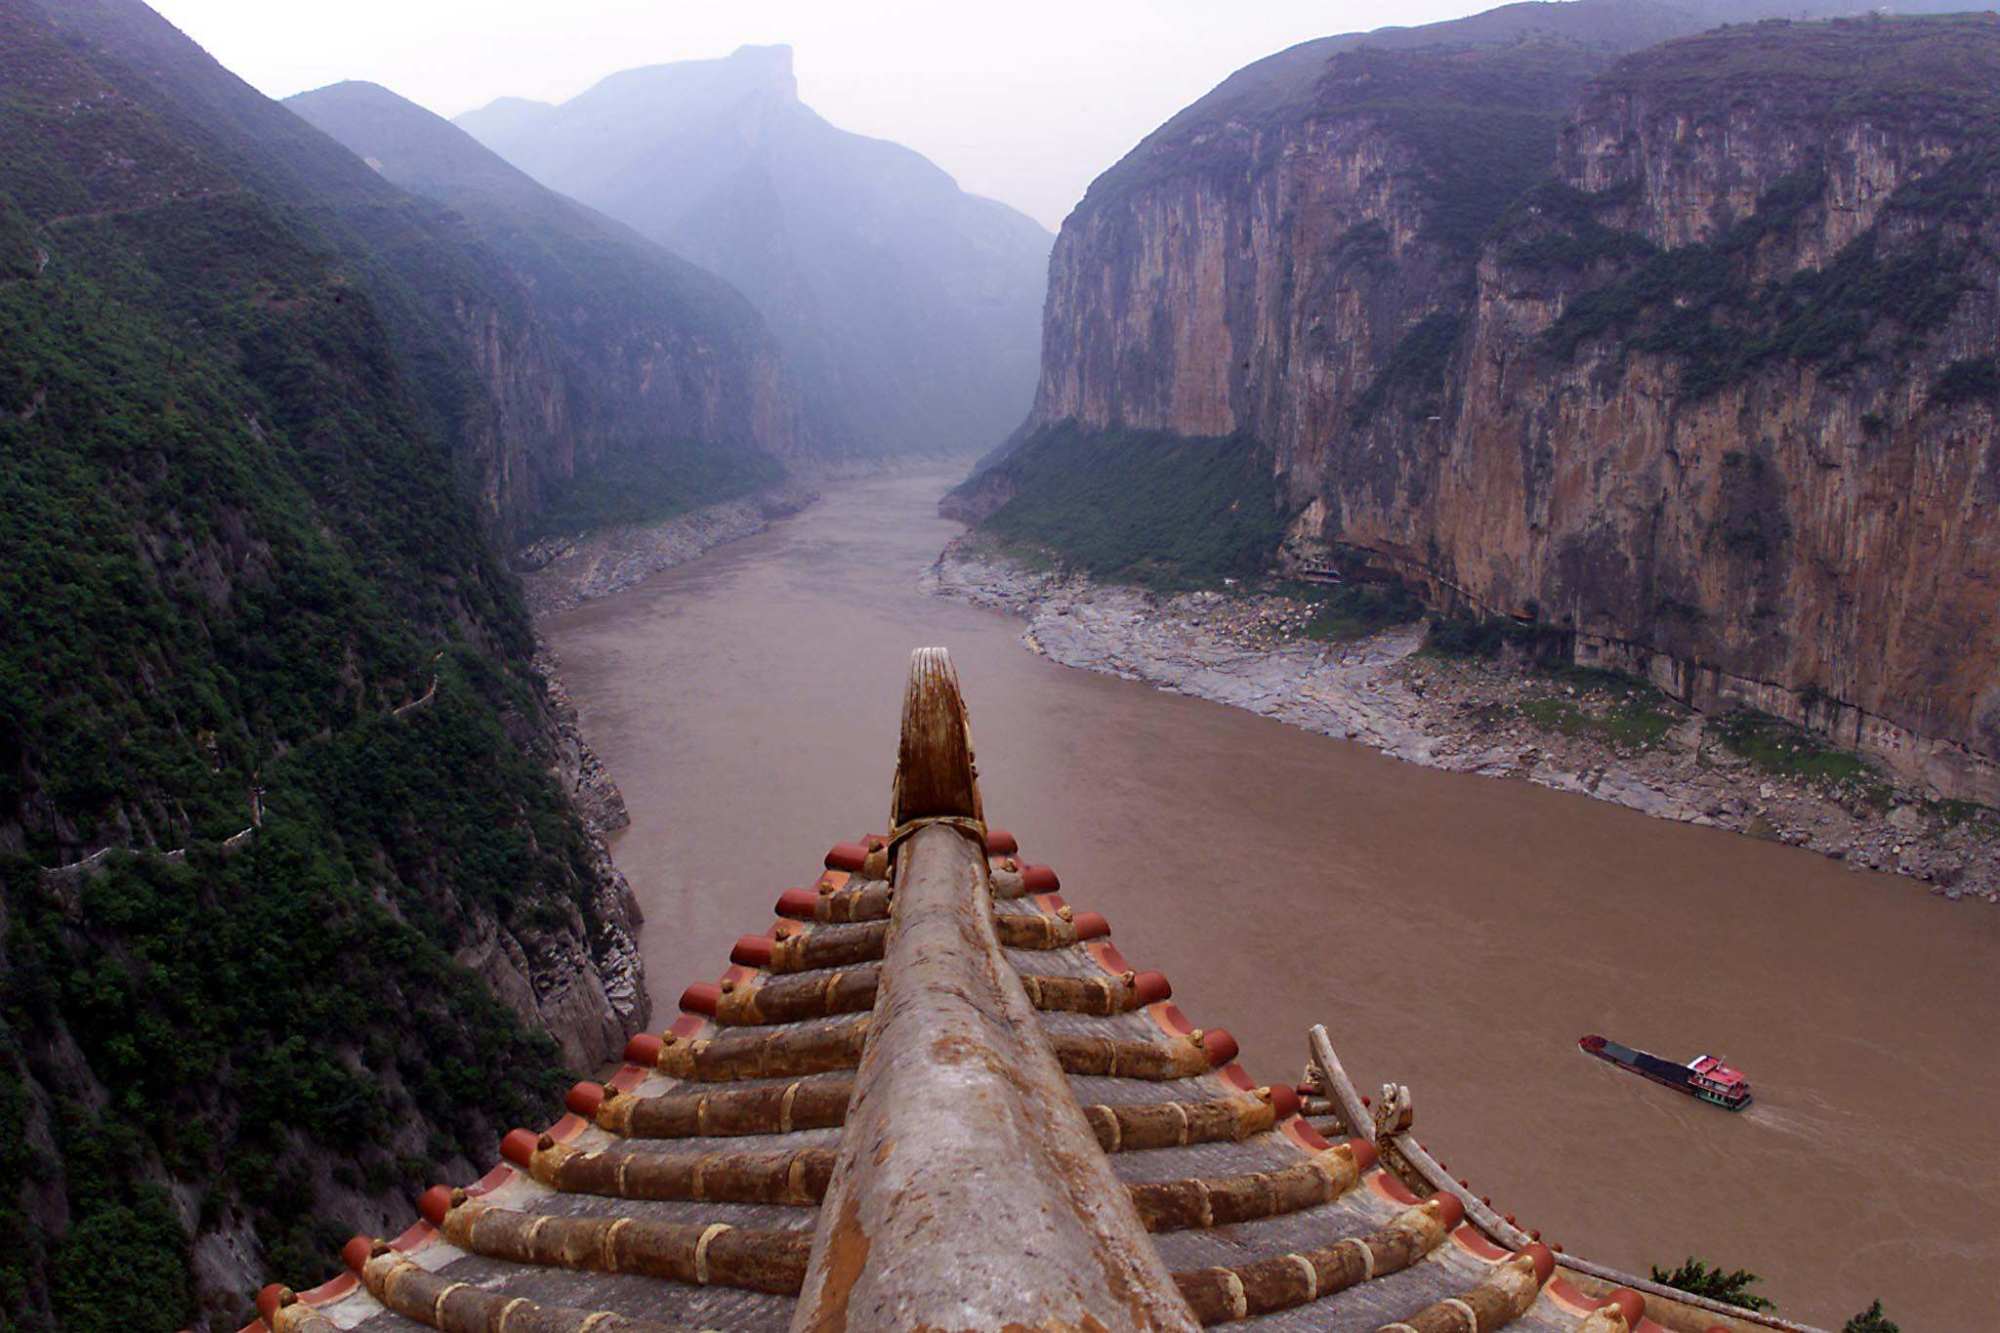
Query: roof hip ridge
[[964, 1145]]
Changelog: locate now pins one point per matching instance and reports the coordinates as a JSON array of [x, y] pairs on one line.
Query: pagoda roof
[[933, 1095]]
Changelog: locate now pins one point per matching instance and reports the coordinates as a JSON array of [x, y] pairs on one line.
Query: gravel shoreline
[[560, 573], [1467, 717]]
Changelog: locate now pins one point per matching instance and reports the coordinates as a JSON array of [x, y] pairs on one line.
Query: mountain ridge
[[673, 386], [910, 308]]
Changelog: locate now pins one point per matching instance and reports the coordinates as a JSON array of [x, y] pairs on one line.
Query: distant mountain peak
[[911, 310], [772, 62], [763, 73]]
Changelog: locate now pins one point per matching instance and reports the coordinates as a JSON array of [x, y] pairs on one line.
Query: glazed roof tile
[[1193, 1149]]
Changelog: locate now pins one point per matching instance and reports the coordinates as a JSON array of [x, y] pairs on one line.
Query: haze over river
[[1454, 933]]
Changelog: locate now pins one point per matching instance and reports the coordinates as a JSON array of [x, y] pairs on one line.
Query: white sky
[[1024, 101]]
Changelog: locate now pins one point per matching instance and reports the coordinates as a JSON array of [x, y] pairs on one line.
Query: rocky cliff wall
[[1719, 399], [560, 412], [600, 358]]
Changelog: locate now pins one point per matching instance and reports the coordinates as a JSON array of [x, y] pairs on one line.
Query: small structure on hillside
[[935, 1096]]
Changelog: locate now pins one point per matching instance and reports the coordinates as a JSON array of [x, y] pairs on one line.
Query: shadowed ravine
[[1455, 933]]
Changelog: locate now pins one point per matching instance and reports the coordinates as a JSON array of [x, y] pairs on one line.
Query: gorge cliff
[[1686, 356], [909, 308], [646, 384], [561, 354]]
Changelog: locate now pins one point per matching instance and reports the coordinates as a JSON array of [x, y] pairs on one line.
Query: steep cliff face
[[632, 365], [1298, 251], [908, 308], [1719, 407], [1717, 398]]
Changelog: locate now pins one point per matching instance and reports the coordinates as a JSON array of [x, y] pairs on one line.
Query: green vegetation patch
[[652, 484], [1488, 637], [1922, 73], [1416, 366], [1871, 1320], [1881, 297], [1356, 610], [20, 256], [1615, 709], [1146, 507], [1697, 305], [1776, 746], [1482, 123], [231, 544], [1973, 380], [1555, 226], [1954, 813], [1698, 1278]]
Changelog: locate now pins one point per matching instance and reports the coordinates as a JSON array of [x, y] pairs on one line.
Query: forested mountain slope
[[507, 376], [289, 874]]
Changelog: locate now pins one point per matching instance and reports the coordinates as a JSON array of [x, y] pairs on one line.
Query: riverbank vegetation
[[1623, 712], [1149, 508], [639, 488], [1735, 1287], [1773, 745], [1871, 1320], [1699, 1278], [1629, 712], [1347, 612], [1490, 637]]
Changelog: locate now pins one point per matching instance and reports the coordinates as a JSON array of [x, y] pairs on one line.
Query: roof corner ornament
[[1395, 1112], [1329, 1077], [963, 1146], [937, 781]]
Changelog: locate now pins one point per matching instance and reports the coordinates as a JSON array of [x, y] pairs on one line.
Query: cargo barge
[[1705, 1076]]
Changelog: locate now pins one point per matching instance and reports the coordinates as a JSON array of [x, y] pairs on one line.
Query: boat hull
[[1663, 1072]]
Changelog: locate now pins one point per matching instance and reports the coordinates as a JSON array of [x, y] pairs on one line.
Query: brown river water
[[1454, 933]]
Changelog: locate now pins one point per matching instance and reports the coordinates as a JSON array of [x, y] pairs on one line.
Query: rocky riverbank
[[588, 986], [583, 776], [558, 573], [1571, 731]]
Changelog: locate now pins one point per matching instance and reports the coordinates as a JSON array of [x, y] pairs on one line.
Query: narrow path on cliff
[[1455, 933]]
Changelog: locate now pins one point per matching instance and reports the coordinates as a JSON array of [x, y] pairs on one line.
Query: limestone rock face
[[1718, 398]]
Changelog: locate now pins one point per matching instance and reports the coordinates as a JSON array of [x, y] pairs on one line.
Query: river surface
[[1454, 933]]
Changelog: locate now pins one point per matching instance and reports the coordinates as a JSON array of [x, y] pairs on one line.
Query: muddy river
[[1454, 933]]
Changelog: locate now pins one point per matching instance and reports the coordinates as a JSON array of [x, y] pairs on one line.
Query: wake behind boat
[[1705, 1076]]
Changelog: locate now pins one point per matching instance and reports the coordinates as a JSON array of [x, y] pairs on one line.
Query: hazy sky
[[1025, 102]]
